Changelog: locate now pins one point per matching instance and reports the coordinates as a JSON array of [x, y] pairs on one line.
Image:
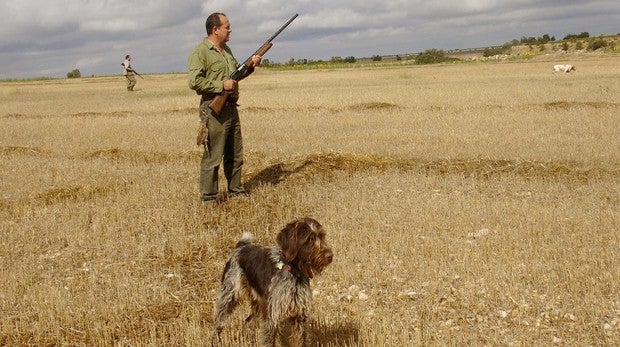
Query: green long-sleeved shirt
[[208, 68]]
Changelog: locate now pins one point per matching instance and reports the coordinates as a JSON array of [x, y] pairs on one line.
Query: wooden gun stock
[[217, 104]]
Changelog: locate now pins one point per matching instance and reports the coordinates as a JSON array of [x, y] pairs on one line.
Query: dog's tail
[[245, 240]]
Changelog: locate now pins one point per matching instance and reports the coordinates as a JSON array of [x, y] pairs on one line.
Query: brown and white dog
[[276, 280]]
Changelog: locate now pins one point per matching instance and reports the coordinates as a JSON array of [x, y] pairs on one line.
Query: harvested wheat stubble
[[326, 163]]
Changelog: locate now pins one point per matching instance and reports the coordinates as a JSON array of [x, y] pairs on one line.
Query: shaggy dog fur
[[276, 280]]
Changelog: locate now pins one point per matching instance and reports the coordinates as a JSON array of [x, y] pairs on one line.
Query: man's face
[[223, 31]]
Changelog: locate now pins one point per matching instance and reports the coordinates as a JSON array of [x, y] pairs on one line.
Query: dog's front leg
[[294, 332], [268, 333]]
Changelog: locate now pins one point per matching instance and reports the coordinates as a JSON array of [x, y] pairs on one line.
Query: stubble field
[[467, 204]]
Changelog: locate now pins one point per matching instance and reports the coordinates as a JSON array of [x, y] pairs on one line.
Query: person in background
[[129, 73]]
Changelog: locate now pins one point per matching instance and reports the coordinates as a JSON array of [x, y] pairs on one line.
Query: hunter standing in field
[[210, 64], [129, 73]]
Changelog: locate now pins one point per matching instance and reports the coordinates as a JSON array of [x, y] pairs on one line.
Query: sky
[[50, 38]]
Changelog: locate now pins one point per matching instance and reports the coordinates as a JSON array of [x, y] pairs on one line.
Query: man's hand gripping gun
[[219, 101]]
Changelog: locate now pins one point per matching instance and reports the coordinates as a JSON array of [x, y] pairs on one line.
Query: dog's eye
[[312, 238]]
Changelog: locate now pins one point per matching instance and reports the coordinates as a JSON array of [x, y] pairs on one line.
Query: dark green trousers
[[131, 81], [224, 145]]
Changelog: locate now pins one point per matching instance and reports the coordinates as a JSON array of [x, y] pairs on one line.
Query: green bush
[[596, 44], [432, 56], [489, 52], [74, 74]]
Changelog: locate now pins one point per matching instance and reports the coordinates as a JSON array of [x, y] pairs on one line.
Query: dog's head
[[303, 244]]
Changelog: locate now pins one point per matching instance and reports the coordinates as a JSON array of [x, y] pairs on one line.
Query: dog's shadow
[[337, 334]]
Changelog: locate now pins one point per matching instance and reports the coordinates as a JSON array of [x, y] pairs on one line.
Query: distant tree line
[[593, 44], [434, 56], [298, 62], [583, 35], [534, 40]]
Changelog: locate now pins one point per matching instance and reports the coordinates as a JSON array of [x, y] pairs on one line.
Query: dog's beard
[[319, 264]]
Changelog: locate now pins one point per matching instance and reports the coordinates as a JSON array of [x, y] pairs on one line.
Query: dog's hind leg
[[227, 300], [256, 311]]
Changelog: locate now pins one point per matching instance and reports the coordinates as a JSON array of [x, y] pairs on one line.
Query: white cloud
[[85, 63], [41, 37], [113, 25]]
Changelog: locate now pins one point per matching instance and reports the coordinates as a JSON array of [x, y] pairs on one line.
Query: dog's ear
[[293, 237]]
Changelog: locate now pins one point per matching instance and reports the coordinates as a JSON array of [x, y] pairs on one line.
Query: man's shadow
[[274, 174]]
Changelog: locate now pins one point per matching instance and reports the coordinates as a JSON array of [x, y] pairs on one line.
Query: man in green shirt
[[210, 65]]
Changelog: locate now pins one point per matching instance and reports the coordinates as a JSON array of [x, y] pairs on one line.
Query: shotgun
[[130, 69], [219, 101]]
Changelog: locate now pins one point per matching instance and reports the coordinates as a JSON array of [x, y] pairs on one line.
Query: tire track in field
[[23, 150], [313, 166], [383, 106], [79, 193], [326, 165], [141, 157], [93, 114], [111, 154]]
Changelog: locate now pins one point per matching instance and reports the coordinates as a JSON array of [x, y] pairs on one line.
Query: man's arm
[[197, 77]]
